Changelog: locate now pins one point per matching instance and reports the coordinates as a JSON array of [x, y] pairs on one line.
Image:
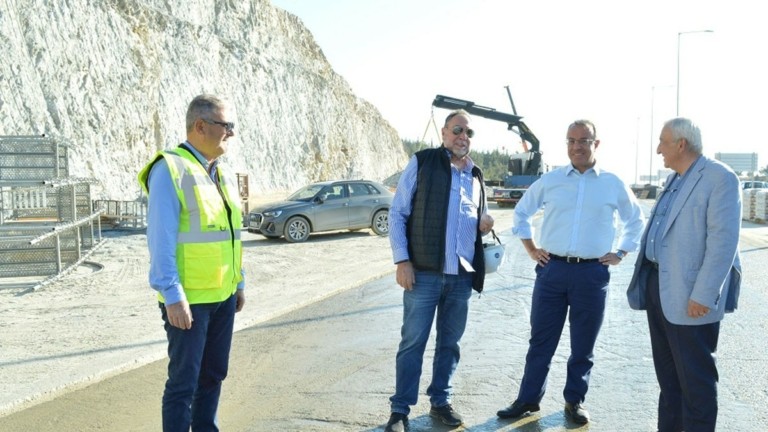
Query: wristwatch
[[621, 254]]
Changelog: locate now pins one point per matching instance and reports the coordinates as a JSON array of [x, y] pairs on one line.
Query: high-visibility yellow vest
[[209, 251]]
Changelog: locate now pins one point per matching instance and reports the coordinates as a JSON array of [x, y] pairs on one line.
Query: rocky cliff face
[[112, 79]]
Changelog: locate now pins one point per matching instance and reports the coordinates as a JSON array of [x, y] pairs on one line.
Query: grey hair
[[203, 106], [454, 114], [682, 127], [587, 124]]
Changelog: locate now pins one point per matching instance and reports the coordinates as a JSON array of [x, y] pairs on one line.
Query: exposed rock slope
[[112, 79]]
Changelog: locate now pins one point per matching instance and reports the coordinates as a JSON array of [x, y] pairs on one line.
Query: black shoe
[[398, 422], [447, 415], [517, 409], [577, 413]]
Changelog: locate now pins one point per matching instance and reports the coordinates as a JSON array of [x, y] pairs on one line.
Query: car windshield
[[306, 193]]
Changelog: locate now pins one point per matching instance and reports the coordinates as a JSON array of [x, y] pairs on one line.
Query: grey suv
[[325, 206]]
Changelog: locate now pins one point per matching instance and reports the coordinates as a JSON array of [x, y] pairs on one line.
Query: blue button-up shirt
[[660, 215], [580, 213], [461, 229]]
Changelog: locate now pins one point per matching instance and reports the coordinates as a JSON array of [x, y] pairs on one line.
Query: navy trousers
[[198, 363], [684, 359], [577, 291]]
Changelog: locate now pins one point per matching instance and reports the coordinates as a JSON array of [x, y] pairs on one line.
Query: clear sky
[[613, 62]]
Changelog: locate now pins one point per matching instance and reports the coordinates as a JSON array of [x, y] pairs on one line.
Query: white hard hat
[[494, 254]]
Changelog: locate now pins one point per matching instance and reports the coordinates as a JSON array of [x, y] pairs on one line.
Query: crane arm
[[511, 120]]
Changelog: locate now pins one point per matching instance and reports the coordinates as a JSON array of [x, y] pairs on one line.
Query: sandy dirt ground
[[102, 319]]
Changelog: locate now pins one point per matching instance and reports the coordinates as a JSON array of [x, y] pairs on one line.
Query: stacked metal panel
[[47, 222], [29, 159]]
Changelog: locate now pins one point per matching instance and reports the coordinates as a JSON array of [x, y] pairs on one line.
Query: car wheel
[[296, 229], [380, 223]]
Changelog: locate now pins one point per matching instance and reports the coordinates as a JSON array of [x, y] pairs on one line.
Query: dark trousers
[[198, 361], [560, 286], [684, 358]]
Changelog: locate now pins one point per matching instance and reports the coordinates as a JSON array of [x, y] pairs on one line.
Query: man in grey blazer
[[687, 276]]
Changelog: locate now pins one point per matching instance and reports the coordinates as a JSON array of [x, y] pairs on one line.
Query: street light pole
[[637, 148], [677, 102], [653, 137], [650, 160]]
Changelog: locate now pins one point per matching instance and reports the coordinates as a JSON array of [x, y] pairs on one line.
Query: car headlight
[[273, 213]]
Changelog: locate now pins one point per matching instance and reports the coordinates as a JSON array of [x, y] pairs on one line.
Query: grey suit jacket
[[699, 258]]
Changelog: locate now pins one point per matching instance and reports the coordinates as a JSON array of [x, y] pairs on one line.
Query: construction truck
[[523, 168]]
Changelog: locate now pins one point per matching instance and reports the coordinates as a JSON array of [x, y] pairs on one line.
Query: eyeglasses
[[229, 126], [457, 130], [582, 142]]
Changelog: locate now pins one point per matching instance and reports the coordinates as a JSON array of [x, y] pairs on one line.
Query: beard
[[459, 152]]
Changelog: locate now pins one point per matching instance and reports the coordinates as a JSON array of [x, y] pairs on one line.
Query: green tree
[[494, 163], [412, 146]]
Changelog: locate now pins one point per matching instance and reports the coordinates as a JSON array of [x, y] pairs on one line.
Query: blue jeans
[[577, 291], [449, 296], [197, 365]]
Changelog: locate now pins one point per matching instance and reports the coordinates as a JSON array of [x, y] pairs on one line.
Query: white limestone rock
[[113, 78]]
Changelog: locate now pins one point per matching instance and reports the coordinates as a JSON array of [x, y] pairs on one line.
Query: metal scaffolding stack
[[47, 223]]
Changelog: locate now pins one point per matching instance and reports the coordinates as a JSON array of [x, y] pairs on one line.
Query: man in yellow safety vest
[[193, 234]]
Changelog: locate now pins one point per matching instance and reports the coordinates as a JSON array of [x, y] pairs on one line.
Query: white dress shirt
[[580, 213]]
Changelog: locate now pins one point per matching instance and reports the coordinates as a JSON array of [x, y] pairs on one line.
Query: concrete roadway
[[330, 366]]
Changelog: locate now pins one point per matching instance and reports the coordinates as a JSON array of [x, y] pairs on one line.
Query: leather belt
[[573, 259]]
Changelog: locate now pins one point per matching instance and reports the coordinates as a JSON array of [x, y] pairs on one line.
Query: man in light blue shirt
[[193, 235], [688, 276], [436, 223], [581, 202]]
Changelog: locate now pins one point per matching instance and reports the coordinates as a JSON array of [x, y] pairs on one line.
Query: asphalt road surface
[[330, 366]]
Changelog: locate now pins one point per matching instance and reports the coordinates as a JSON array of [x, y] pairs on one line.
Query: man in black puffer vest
[[436, 222]]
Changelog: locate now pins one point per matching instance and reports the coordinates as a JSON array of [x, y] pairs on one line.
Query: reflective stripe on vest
[[187, 186], [208, 250]]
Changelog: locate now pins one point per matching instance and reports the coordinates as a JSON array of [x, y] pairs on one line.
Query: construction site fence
[[122, 214]]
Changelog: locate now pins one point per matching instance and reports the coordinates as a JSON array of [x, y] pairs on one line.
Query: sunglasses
[[229, 126], [457, 130]]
